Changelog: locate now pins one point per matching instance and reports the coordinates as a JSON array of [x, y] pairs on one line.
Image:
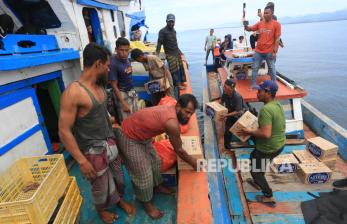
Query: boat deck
[[88, 213], [288, 189], [243, 87]]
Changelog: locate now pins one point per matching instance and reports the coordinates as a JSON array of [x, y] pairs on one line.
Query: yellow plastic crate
[[36, 206], [70, 207]]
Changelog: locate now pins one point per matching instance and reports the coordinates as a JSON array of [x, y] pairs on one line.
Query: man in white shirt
[[209, 43], [241, 44]]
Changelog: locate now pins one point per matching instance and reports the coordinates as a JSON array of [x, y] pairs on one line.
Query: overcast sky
[[196, 14]]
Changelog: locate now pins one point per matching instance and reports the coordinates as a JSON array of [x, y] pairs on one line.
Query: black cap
[[230, 82], [270, 5], [170, 17]]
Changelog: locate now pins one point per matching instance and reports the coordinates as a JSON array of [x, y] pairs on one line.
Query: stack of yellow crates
[[31, 189]]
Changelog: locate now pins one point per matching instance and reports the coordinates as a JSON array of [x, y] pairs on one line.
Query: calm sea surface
[[315, 56]]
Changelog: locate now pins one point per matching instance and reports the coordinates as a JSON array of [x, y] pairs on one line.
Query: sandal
[[251, 182], [260, 199]]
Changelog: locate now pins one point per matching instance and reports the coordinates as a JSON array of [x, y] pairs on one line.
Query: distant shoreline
[[303, 22]]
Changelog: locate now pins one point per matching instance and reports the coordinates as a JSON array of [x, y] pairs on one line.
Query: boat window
[[36, 14], [112, 15], [115, 31], [121, 24], [288, 108], [92, 22]]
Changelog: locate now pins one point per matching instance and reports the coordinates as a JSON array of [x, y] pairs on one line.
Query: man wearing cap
[[269, 139], [236, 107], [267, 43], [167, 38]]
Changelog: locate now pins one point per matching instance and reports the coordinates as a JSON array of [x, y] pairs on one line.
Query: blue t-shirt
[[118, 71]]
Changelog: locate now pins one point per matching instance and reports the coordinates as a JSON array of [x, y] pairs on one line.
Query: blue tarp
[[97, 4], [137, 18]]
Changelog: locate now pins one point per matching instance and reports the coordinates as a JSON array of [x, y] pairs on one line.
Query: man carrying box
[[269, 138], [156, 69], [236, 107], [141, 160]]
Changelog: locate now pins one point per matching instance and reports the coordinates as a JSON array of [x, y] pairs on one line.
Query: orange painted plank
[[193, 204], [284, 92]]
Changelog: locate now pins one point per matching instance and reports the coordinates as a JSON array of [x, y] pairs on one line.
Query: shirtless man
[[92, 143]]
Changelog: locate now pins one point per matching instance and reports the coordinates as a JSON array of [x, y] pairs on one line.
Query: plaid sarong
[[176, 69], [108, 186], [142, 163]]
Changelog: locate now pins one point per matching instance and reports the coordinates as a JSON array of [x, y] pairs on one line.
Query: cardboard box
[[304, 156], [314, 173], [247, 120], [214, 110], [192, 145], [285, 163], [321, 148], [158, 85], [170, 177]]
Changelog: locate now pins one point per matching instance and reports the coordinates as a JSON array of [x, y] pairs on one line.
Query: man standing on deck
[[209, 43], [167, 38], [269, 139], [236, 107], [156, 69], [121, 79], [141, 160], [86, 132], [267, 44]]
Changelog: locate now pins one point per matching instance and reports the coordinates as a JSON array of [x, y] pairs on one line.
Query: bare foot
[[164, 190], [152, 211], [127, 207], [108, 217]]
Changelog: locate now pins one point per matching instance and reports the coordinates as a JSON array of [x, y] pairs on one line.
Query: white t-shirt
[[239, 45]]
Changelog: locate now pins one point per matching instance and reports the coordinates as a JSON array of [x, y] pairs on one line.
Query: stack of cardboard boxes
[[313, 165], [317, 161]]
